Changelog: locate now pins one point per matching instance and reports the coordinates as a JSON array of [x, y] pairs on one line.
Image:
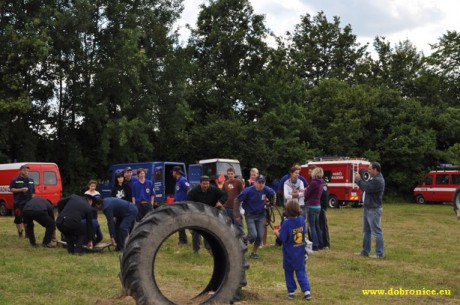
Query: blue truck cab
[[212, 168], [160, 173]]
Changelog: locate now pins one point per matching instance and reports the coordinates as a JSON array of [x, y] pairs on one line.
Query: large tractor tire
[[138, 261]]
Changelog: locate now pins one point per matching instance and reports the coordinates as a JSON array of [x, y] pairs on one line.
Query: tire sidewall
[[193, 215]]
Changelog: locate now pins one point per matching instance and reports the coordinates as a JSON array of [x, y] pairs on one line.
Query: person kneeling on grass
[[292, 236], [72, 210]]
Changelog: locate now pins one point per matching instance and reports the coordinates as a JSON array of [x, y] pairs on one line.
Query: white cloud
[[422, 22]]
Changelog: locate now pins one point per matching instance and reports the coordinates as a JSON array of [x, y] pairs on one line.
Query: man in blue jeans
[[254, 199], [372, 198]]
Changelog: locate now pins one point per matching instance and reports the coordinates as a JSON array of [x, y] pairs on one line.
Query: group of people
[[77, 220], [293, 230], [132, 198]]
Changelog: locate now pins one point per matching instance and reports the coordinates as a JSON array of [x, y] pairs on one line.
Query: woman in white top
[[92, 184], [294, 188]]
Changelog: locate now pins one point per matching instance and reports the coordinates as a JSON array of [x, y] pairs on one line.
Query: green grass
[[422, 245]]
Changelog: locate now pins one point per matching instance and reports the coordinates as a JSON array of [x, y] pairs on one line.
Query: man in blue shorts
[[23, 189]]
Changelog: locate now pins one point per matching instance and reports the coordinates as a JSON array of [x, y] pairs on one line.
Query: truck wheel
[[3, 209], [333, 202], [420, 199], [138, 260], [456, 200]]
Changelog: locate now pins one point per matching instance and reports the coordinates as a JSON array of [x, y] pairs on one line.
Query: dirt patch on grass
[[118, 301]]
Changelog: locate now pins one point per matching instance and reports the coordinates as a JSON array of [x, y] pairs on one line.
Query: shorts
[[18, 207]]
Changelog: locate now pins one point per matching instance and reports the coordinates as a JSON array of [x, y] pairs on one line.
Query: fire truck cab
[[339, 175], [439, 185]]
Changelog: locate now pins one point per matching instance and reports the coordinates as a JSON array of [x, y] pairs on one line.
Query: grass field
[[422, 245]]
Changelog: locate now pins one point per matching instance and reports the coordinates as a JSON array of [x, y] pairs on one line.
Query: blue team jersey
[[254, 200], [181, 189], [292, 235], [143, 191]]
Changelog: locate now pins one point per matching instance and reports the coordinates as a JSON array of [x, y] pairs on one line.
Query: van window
[[50, 178], [36, 176], [442, 179], [429, 180], [456, 179]]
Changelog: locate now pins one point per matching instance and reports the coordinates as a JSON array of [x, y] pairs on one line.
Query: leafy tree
[[228, 52], [319, 49], [377, 123], [26, 83], [445, 62]]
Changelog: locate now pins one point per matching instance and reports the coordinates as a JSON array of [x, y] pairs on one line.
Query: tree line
[[89, 83]]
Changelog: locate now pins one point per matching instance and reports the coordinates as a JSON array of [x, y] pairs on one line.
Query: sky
[[422, 22]]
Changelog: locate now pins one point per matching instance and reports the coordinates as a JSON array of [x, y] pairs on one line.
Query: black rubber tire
[[138, 260], [456, 200], [420, 199], [332, 201], [3, 210]]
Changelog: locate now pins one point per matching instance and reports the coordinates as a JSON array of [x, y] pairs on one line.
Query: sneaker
[[376, 256], [307, 295], [254, 255], [291, 295], [49, 245], [361, 254]]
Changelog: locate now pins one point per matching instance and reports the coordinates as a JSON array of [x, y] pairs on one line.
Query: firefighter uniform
[[42, 211], [72, 210]]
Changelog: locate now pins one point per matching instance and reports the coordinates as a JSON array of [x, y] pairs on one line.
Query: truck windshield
[[217, 168], [223, 166]]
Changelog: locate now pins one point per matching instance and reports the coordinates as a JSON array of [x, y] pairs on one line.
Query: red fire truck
[[46, 177], [439, 185], [339, 172]]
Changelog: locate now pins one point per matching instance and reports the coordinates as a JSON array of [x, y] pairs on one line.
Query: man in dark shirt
[[23, 189], [209, 195], [120, 215], [72, 210], [372, 211], [42, 211]]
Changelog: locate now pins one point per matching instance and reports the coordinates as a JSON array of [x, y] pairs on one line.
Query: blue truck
[[212, 168], [159, 172]]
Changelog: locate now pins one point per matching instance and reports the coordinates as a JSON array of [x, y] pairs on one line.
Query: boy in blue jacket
[[292, 236]]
